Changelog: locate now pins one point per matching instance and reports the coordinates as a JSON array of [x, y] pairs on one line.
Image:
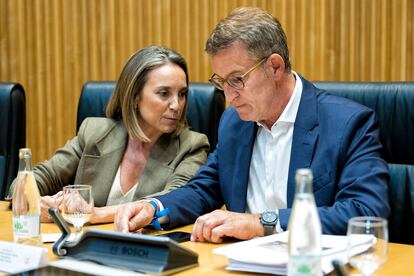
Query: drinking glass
[[367, 243], [77, 205]]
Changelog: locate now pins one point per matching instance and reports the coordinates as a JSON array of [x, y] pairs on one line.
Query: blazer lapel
[[157, 169], [104, 163], [305, 136]]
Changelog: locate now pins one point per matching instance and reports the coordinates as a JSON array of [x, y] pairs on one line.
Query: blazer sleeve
[[60, 170], [193, 153], [361, 182]]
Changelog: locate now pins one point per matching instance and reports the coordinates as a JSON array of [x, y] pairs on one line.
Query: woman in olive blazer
[[144, 147], [173, 160]]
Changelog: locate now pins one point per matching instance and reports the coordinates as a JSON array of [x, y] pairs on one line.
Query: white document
[[15, 258], [270, 254], [48, 238]]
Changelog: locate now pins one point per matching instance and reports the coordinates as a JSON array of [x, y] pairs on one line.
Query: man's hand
[[47, 202], [131, 217], [214, 226]]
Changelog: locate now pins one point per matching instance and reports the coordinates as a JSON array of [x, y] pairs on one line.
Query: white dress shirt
[[269, 166]]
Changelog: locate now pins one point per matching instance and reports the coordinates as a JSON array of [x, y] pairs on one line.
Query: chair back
[[393, 103], [13, 132], [204, 108]]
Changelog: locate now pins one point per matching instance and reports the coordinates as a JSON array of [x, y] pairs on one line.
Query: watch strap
[[268, 229]]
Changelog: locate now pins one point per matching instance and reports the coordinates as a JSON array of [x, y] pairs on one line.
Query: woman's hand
[[47, 202], [103, 214]]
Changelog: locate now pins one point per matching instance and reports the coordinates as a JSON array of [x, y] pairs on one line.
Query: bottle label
[[26, 226], [304, 266]]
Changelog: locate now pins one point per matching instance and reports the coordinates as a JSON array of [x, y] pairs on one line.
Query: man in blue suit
[[278, 122]]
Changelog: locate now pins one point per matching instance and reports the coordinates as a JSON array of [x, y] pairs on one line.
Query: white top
[[116, 195], [269, 166]]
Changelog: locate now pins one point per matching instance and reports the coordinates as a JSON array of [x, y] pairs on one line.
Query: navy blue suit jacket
[[335, 137]]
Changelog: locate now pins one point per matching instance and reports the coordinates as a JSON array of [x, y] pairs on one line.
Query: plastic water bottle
[[304, 230], [26, 203]]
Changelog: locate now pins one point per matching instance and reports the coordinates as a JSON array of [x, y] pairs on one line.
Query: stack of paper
[[269, 254]]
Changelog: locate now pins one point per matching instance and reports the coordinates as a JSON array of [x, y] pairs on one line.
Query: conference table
[[400, 260]]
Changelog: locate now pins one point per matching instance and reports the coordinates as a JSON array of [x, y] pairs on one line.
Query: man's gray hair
[[259, 31]]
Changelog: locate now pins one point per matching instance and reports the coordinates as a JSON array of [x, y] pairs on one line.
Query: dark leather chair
[[394, 104], [12, 133], [204, 108]]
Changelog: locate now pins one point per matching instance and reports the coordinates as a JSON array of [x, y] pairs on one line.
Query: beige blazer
[[93, 158]]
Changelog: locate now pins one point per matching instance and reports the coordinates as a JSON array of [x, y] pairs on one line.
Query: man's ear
[[277, 65]]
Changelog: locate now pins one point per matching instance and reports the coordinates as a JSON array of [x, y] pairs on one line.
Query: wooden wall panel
[[53, 46]]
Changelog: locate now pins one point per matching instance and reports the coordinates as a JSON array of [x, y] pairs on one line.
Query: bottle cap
[[304, 172], [25, 153]]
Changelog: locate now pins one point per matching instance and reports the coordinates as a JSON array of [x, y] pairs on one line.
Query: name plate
[[139, 253], [15, 258]]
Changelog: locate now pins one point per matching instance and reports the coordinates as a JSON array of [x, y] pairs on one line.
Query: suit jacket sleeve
[[201, 195], [193, 152], [356, 184]]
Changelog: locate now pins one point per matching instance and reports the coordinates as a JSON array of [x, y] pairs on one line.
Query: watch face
[[269, 216]]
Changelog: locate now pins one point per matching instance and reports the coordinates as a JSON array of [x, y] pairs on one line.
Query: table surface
[[400, 259]]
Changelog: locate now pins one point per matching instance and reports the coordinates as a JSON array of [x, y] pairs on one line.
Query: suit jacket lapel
[[305, 136], [240, 180]]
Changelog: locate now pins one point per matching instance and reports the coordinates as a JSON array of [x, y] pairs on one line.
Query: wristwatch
[[269, 220]]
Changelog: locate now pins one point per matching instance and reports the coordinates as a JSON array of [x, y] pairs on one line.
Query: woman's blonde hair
[[131, 82]]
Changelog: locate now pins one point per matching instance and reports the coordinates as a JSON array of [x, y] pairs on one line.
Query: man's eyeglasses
[[233, 81]]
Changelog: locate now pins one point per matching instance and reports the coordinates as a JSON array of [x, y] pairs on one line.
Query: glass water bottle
[[26, 202], [304, 229]]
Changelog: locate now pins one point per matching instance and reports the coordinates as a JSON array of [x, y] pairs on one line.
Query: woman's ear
[[136, 101], [277, 65]]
